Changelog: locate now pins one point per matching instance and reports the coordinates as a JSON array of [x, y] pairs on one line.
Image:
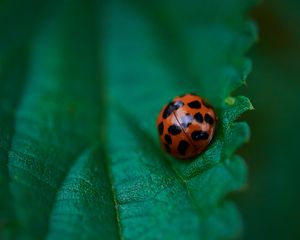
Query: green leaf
[[80, 158]]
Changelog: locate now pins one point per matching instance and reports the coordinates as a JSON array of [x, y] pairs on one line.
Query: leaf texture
[[80, 158]]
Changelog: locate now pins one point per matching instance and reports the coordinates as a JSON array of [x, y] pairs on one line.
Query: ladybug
[[186, 126]]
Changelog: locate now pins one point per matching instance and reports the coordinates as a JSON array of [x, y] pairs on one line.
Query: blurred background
[[270, 204]]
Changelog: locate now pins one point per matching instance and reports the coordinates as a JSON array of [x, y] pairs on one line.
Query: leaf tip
[[251, 107]]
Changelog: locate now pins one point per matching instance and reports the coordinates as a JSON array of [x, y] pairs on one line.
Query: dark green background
[[270, 204]]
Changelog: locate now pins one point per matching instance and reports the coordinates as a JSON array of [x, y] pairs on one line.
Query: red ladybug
[[186, 126]]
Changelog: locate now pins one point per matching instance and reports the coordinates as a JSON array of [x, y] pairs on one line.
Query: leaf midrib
[[143, 136]]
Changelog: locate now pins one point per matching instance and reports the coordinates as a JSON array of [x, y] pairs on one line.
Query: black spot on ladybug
[[208, 119], [168, 110], [171, 107], [174, 129], [167, 147], [199, 135], [178, 104], [198, 117], [194, 104], [161, 128], [186, 120], [183, 147], [168, 139]]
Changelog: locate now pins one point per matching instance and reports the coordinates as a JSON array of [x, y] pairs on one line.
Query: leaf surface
[[80, 157]]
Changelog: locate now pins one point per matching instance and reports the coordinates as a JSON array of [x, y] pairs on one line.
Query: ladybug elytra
[[186, 126]]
